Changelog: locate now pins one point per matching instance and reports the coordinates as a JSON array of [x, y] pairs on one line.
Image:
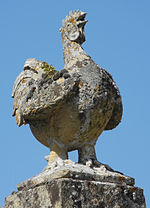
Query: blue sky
[[118, 39]]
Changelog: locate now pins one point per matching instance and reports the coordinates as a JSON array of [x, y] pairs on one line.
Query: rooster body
[[68, 109]]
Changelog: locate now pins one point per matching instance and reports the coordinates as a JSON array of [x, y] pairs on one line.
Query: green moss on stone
[[48, 69]]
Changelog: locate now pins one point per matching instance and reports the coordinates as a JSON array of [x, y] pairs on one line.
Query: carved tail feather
[[25, 85], [18, 94]]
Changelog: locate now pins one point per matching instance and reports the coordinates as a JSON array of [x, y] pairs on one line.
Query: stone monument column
[[68, 110], [74, 186]]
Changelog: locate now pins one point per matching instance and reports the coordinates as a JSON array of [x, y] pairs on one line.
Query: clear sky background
[[118, 39]]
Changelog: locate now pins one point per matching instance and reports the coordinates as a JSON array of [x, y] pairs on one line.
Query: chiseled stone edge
[[77, 172], [68, 193]]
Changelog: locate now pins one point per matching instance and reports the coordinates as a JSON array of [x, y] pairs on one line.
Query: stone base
[[69, 193], [77, 186]]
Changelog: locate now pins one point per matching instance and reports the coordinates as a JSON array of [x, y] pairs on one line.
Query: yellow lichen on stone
[[74, 43], [61, 80], [132, 189], [48, 69], [96, 88], [72, 20], [47, 105], [69, 51], [68, 161], [76, 48], [121, 178], [34, 111], [80, 84], [23, 80], [58, 204], [95, 202], [87, 101], [36, 68]]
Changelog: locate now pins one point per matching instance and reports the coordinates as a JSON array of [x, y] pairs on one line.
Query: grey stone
[[68, 109], [71, 193], [69, 169], [75, 185]]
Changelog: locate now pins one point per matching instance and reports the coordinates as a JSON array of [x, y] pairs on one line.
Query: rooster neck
[[72, 52]]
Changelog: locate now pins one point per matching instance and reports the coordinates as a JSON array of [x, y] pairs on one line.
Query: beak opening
[[82, 23], [82, 16]]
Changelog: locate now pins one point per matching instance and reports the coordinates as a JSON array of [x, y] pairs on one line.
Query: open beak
[[81, 20], [82, 23], [82, 16]]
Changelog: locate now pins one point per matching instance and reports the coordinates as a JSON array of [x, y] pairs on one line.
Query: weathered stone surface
[[69, 169], [70, 193], [75, 185], [68, 109]]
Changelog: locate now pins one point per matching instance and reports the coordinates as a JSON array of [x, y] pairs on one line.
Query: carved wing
[[37, 91]]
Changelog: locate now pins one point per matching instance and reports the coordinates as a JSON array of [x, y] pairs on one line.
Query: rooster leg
[[57, 156], [87, 156]]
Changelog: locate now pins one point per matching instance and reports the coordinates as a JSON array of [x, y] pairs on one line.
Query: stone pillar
[[68, 187], [69, 193]]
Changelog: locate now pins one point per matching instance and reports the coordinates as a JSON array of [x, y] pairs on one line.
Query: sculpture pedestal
[[77, 186]]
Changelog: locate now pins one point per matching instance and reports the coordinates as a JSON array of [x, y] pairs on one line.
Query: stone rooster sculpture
[[68, 109]]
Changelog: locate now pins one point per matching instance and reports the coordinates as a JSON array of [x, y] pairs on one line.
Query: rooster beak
[[81, 23], [81, 19], [83, 15]]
